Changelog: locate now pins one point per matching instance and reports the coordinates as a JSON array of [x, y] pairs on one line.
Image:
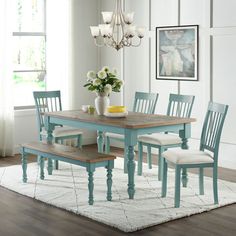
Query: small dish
[[116, 115]]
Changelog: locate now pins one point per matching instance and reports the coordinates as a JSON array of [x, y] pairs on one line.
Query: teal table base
[[130, 135]]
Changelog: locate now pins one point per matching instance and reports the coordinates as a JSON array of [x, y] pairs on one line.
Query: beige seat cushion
[[115, 136], [187, 156], [160, 139], [62, 132]]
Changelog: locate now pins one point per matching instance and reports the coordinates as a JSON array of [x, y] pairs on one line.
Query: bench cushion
[[69, 152]]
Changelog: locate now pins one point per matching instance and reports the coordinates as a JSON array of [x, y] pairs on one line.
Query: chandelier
[[117, 30]]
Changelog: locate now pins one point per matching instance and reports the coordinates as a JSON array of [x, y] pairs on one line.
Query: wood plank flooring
[[23, 216]]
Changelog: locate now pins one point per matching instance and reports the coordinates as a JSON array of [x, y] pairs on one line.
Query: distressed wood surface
[[134, 120], [69, 152]]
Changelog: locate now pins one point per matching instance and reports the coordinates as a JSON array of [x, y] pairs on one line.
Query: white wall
[[217, 37]]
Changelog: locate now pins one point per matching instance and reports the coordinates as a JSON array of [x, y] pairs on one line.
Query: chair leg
[[140, 158], [215, 185], [42, 168], [79, 141], [160, 164], [107, 145], [184, 177], [50, 166], [201, 181], [125, 161], [38, 159], [56, 162], [149, 156], [177, 186], [164, 178]]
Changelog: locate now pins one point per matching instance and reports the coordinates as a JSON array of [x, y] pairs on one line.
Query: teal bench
[[72, 155]]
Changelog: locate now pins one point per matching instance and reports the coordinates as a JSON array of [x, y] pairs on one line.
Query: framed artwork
[[177, 53]]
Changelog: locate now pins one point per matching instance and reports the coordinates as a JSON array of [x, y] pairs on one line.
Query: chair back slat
[[212, 127], [145, 102], [180, 105], [46, 101]]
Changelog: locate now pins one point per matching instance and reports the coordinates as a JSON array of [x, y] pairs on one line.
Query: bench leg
[[41, 168], [50, 167], [24, 166], [90, 184], [109, 179]]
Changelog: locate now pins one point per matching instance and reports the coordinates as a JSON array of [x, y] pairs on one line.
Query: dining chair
[[180, 106], [49, 101], [144, 103], [205, 157]]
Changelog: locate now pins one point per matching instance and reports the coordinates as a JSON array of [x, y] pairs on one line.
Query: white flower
[[91, 74], [102, 74], [114, 71], [106, 69], [97, 82], [120, 82], [108, 88]]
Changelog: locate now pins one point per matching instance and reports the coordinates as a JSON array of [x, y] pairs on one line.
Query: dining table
[[131, 126]]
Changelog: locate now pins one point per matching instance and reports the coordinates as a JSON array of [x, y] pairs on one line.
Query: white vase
[[102, 101]]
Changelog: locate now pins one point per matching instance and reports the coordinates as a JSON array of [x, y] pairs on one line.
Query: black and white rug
[[67, 189]]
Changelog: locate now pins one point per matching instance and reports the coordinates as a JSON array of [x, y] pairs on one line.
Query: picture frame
[[177, 52]]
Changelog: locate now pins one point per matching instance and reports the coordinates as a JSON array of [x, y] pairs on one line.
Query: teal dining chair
[[49, 101], [144, 103], [180, 106], [205, 157]]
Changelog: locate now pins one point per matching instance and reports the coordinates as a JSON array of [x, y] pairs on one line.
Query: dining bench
[[88, 159]]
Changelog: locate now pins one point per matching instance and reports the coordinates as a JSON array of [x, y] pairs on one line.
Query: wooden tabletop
[[133, 120], [69, 152]]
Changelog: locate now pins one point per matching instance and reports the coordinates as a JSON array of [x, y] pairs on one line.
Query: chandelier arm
[[136, 45], [97, 44]]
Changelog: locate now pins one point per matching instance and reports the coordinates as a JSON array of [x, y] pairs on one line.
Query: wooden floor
[[23, 216]]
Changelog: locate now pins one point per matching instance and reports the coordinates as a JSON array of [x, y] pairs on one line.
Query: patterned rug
[[67, 189]]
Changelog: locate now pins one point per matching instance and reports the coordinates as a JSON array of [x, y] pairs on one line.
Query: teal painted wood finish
[[100, 141], [143, 102], [130, 135], [49, 101], [180, 106], [109, 180], [210, 140], [90, 167]]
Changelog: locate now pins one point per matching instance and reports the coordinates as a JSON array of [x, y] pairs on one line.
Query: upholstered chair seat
[[182, 156], [160, 139]]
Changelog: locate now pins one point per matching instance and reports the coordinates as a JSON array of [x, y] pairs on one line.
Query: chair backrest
[[212, 127], [46, 101], [180, 105], [145, 102]]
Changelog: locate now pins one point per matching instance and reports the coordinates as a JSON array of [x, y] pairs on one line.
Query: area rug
[[67, 189]]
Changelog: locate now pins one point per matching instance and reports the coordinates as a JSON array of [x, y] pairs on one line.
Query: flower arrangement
[[104, 81]]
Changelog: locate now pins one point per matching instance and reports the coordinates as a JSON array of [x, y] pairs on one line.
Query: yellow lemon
[[116, 109]]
